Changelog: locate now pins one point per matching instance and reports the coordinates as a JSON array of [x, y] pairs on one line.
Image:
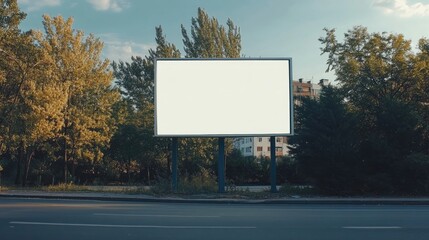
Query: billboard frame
[[291, 103]]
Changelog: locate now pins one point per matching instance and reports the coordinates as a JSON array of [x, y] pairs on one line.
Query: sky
[[269, 28]]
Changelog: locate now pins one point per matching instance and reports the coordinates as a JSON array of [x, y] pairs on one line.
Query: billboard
[[223, 97]]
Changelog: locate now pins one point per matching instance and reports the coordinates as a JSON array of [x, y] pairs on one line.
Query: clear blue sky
[[269, 28]]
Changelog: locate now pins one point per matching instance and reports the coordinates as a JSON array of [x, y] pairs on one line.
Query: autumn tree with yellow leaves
[[85, 81], [56, 94]]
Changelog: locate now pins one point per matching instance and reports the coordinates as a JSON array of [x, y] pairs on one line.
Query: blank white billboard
[[223, 97]]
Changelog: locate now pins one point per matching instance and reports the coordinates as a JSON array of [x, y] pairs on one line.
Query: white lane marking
[[129, 226], [153, 215], [372, 227], [346, 210]]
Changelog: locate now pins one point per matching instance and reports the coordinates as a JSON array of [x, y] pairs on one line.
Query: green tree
[[422, 74], [385, 83], [209, 39], [371, 67], [136, 81], [325, 143]]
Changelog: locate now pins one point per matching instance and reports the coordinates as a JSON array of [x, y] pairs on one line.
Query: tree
[[11, 40], [209, 39], [85, 81], [10, 15], [29, 99], [136, 81], [325, 143], [371, 67], [385, 84], [422, 74]]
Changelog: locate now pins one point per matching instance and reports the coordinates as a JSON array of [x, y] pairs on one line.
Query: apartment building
[[260, 146]]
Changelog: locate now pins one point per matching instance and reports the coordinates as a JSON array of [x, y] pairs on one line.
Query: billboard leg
[[273, 164], [221, 165], [174, 155]]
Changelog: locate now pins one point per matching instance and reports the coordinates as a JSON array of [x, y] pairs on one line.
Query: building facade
[[260, 146]]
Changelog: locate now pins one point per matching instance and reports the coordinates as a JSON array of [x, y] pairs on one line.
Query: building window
[[279, 149], [279, 140], [269, 148], [259, 149], [249, 149], [260, 139]]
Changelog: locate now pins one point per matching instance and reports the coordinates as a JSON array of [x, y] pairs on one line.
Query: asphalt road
[[67, 219]]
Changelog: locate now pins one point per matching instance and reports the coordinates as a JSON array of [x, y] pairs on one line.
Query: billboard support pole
[[174, 156], [221, 165], [273, 171]]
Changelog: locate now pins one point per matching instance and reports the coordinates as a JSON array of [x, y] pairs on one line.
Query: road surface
[[74, 219]]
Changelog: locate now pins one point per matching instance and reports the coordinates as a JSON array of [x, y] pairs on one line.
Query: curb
[[295, 201]]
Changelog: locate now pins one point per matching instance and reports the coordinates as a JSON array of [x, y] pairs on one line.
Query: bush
[[411, 175], [246, 170], [288, 171], [66, 187], [202, 183]]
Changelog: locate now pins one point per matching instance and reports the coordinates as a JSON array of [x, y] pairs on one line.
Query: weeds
[[65, 187]]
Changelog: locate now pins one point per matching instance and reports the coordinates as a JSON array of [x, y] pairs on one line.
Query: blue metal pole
[[221, 165], [175, 150], [273, 164]]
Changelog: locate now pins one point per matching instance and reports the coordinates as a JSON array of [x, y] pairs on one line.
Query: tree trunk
[[148, 175], [73, 170], [29, 157], [169, 159], [18, 166], [65, 152], [129, 171]]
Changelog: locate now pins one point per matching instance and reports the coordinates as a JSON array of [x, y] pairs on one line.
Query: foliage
[[209, 39], [136, 81], [66, 187], [298, 190], [53, 88], [61, 117], [289, 171], [371, 67], [244, 170], [411, 176], [369, 135], [202, 183], [325, 144], [10, 14], [85, 81]]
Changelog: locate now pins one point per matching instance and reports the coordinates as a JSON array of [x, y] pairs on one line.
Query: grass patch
[[65, 187], [294, 190], [195, 185]]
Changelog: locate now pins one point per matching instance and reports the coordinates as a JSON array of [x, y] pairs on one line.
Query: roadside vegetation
[[71, 119]]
